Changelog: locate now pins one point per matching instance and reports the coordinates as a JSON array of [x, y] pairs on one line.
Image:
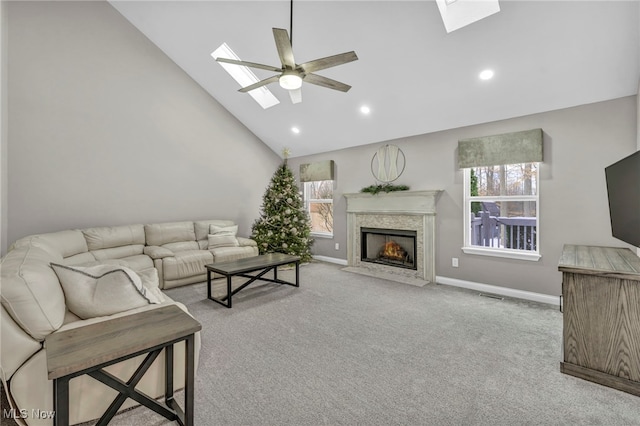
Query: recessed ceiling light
[[486, 75], [295, 130], [365, 109]]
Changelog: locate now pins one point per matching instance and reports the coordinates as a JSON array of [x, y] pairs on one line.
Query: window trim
[[307, 205], [467, 248]]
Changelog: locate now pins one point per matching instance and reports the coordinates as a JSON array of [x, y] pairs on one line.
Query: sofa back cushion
[[65, 243], [158, 234], [31, 293], [114, 236]]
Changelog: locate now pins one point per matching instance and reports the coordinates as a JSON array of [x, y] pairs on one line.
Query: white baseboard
[[503, 291], [331, 260]]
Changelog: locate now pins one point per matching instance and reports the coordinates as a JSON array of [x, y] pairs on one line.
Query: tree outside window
[[319, 201]]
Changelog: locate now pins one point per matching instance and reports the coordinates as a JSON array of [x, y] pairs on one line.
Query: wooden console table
[[601, 315], [88, 349]]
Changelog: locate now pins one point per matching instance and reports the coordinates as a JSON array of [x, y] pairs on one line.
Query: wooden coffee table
[[241, 267]]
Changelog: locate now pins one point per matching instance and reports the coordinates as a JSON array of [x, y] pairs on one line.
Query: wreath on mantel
[[387, 165], [386, 187]]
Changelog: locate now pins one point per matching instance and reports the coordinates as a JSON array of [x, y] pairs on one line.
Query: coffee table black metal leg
[[297, 274], [61, 401], [209, 284], [229, 294]]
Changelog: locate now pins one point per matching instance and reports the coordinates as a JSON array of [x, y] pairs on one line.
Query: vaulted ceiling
[[415, 77]]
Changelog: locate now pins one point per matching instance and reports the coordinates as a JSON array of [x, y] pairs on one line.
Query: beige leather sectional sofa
[[34, 306]]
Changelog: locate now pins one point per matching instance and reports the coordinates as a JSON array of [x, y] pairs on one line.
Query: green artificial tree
[[284, 225]]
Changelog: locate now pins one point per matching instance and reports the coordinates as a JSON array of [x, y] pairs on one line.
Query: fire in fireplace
[[393, 247]]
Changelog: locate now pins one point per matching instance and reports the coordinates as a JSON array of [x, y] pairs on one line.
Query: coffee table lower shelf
[[242, 267]]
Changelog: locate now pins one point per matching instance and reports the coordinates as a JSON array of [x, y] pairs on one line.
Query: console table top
[[77, 349], [595, 260]]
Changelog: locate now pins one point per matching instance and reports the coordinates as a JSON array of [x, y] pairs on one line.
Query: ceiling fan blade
[[285, 50], [326, 82], [249, 64], [328, 62], [260, 84], [296, 96]]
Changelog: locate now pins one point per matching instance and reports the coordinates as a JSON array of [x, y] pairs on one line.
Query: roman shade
[[321, 170], [507, 148]]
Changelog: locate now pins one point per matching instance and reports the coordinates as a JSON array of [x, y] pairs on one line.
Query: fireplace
[[392, 247], [409, 219]]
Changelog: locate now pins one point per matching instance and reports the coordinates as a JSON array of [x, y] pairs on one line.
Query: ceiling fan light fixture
[[290, 81]]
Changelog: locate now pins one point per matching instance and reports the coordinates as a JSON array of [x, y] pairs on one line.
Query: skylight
[[460, 13], [245, 77]]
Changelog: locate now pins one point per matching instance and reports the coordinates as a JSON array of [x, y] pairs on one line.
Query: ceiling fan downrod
[[291, 24]]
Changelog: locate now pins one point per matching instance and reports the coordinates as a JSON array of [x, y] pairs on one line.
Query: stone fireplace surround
[[406, 210]]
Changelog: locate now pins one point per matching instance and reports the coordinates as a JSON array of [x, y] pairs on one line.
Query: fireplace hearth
[[392, 247]]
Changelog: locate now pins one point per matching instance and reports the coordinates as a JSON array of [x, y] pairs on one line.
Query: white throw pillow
[[222, 236], [100, 290]]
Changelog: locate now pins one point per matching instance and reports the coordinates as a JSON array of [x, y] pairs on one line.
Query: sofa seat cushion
[[101, 290], [186, 264], [118, 252], [137, 263], [223, 254], [182, 246]]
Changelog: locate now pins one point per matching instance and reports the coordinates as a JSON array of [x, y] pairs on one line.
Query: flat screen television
[[623, 189]]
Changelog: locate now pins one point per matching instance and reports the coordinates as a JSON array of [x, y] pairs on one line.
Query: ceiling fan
[[291, 75]]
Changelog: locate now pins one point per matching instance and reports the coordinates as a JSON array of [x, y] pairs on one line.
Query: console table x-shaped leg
[[62, 372]]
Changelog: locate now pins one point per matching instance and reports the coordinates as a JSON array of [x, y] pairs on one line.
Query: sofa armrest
[[157, 252], [246, 242]]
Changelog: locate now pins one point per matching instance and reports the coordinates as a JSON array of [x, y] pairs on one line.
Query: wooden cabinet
[[601, 315]]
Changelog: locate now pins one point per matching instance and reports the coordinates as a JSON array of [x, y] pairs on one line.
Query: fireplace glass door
[[392, 247]]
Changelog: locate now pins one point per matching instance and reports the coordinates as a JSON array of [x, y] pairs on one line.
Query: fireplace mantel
[[417, 202], [407, 210]]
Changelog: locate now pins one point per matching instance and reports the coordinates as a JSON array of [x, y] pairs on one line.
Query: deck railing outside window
[[503, 232]]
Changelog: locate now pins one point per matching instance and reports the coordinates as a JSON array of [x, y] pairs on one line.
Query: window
[[318, 197], [501, 211]]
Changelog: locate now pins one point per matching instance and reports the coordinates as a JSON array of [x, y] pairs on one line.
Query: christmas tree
[[283, 226]]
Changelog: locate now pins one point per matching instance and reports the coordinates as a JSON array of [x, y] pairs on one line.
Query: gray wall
[[105, 129], [3, 125], [578, 143]]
